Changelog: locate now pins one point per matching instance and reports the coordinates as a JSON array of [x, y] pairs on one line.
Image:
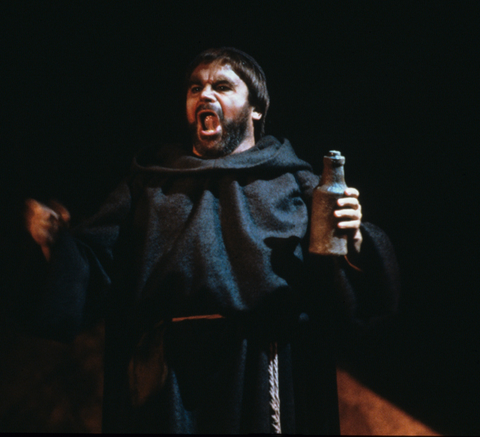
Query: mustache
[[210, 107]]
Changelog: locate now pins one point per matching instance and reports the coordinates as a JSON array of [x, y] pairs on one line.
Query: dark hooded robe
[[200, 268]]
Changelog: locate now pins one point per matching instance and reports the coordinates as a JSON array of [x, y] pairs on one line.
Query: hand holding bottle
[[336, 211], [351, 216]]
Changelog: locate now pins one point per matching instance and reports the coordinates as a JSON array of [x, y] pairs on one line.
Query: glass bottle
[[325, 237]]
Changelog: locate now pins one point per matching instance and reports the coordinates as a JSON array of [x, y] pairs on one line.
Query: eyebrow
[[195, 80]]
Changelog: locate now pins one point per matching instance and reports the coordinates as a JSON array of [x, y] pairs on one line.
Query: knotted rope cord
[[272, 374], [274, 391]]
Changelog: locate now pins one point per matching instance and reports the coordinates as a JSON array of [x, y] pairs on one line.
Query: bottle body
[[325, 237]]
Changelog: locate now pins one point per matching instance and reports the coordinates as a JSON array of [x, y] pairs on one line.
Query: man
[[217, 318]]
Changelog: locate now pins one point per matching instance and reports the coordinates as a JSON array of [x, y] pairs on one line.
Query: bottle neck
[[333, 174]]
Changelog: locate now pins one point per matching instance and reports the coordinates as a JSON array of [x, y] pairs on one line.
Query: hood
[[268, 154]]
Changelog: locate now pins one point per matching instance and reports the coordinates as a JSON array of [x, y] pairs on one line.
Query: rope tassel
[[274, 389]]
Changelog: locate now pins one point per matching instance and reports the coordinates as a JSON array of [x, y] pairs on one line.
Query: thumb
[[62, 212]]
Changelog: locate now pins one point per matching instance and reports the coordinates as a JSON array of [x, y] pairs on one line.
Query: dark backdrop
[[391, 85]]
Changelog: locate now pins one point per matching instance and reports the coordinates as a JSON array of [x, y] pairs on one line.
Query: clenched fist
[[44, 223]]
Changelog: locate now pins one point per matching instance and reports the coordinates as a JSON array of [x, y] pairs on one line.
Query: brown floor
[[363, 412], [50, 387]]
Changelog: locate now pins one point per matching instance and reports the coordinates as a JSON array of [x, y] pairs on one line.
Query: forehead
[[214, 72]]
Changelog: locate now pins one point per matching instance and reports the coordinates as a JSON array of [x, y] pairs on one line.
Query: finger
[[349, 214], [62, 212], [33, 213], [39, 209], [46, 218], [42, 222], [32, 207], [351, 192], [351, 224], [348, 201]]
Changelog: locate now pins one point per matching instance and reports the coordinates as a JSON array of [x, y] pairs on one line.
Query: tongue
[[211, 122]]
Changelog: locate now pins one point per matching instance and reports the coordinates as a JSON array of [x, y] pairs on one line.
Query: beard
[[233, 133]]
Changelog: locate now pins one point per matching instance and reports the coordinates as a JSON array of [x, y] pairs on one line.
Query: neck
[[246, 144]]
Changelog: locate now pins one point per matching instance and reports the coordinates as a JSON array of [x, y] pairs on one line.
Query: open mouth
[[209, 123]]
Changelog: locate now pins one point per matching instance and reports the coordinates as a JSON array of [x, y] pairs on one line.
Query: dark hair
[[248, 70]]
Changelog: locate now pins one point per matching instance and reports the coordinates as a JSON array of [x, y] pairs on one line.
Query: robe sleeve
[[370, 295], [361, 299], [60, 298]]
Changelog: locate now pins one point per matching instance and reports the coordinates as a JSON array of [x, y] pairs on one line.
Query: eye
[[195, 89], [223, 88]]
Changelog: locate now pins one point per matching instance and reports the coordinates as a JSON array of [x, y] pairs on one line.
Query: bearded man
[[218, 320]]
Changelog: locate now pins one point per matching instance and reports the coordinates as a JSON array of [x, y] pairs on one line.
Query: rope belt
[[209, 317], [274, 389], [272, 373]]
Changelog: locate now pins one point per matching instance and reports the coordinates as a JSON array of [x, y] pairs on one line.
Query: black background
[[391, 85]]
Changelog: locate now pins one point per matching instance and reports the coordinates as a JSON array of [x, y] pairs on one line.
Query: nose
[[207, 94]]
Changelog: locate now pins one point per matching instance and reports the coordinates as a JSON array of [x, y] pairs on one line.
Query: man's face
[[219, 115]]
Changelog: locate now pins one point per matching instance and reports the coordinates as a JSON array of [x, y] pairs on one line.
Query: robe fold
[[185, 236]]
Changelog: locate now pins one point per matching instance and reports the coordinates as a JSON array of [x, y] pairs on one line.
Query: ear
[[256, 115]]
